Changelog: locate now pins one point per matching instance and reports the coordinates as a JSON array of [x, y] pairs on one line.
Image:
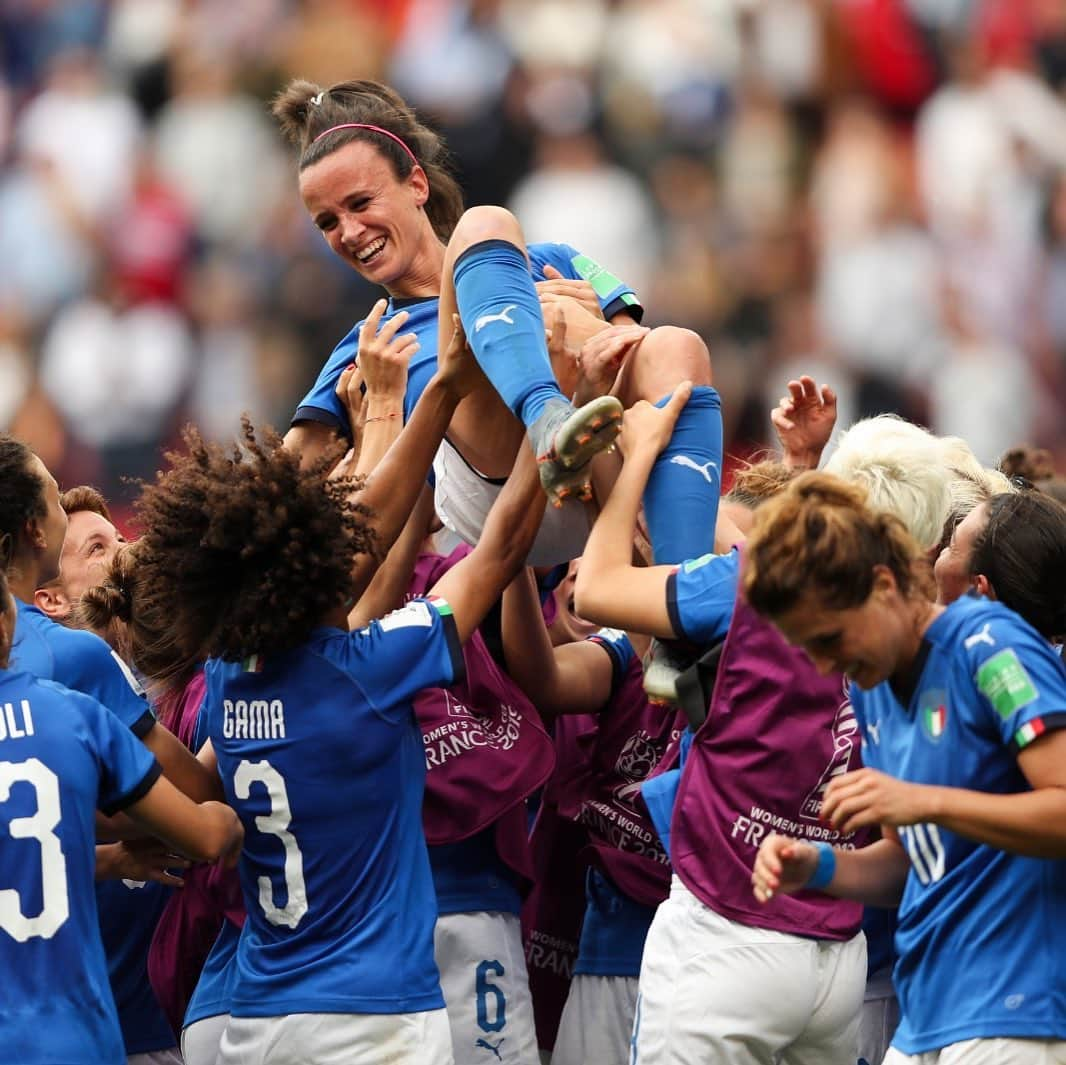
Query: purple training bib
[[777, 732]]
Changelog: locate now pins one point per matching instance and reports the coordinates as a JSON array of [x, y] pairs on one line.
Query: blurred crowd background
[[871, 191]]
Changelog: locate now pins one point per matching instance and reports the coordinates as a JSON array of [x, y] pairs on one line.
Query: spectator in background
[[599, 207], [117, 373], [215, 145], [707, 104]]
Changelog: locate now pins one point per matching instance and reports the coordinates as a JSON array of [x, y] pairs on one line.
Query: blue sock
[[681, 498], [504, 325]]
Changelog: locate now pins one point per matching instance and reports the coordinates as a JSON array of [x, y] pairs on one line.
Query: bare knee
[[667, 356], [482, 223]]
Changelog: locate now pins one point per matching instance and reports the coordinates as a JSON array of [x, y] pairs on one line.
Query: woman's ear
[[983, 586], [52, 601], [419, 182], [884, 583]]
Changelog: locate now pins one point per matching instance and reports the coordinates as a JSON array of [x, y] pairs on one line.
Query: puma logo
[[704, 470], [984, 636], [488, 1046], [503, 316]]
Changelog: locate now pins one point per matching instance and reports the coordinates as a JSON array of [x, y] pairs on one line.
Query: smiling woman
[[961, 711], [854, 598], [375, 181]]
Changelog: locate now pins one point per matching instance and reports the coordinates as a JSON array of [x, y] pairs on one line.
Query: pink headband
[[373, 129]]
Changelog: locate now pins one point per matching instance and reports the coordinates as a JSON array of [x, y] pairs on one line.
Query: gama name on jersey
[[253, 719]]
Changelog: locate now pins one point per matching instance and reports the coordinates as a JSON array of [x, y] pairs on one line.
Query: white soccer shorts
[[463, 499], [338, 1039], [597, 1021], [486, 988], [721, 993]]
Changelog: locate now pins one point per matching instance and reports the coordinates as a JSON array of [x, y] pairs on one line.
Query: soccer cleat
[[565, 439], [664, 662]]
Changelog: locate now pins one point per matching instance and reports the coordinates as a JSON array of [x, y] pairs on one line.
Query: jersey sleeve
[[620, 650], [700, 595], [127, 768], [1020, 680], [614, 294], [89, 665], [395, 657], [321, 403]]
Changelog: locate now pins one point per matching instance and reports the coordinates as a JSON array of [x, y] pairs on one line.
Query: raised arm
[[804, 421], [472, 586], [389, 585], [610, 590], [373, 391], [391, 489], [575, 678]]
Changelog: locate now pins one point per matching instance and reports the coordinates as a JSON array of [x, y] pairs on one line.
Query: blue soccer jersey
[[214, 989], [700, 595], [62, 755], [322, 757], [982, 933], [321, 403], [80, 661], [613, 930], [470, 876], [128, 912]]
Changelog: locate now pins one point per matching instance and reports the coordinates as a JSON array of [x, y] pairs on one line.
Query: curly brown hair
[[304, 111], [243, 552], [818, 537]]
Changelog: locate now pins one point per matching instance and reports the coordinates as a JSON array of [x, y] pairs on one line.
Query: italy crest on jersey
[[933, 713]]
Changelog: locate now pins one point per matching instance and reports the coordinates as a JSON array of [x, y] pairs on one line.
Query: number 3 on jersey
[[55, 906], [276, 823]]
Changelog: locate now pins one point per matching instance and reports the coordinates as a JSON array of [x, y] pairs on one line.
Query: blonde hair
[[903, 470], [819, 537]]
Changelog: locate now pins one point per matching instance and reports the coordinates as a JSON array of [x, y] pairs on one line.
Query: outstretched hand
[[782, 866], [385, 353], [646, 429], [804, 421]]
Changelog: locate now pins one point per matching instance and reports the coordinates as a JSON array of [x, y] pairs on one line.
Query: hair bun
[[120, 601], [105, 602]]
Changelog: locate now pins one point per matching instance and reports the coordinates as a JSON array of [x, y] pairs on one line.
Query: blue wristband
[[826, 868]]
